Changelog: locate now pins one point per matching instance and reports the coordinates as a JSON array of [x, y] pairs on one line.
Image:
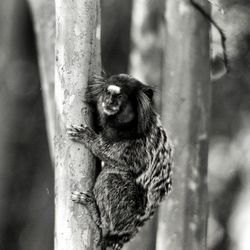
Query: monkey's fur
[[137, 157]]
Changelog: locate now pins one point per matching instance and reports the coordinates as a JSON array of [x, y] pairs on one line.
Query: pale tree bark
[[43, 13], [186, 90], [146, 57], [77, 36]]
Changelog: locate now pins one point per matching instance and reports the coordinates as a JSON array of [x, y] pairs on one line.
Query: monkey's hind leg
[[116, 241]]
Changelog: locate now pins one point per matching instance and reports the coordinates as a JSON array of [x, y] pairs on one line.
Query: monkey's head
[[121, 101]]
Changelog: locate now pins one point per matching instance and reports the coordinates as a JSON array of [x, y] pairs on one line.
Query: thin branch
[[217, 6], [218, 28]]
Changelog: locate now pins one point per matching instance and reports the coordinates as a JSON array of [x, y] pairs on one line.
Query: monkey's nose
[[110, 101]]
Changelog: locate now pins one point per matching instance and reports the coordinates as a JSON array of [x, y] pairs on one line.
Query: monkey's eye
[[108, 92]]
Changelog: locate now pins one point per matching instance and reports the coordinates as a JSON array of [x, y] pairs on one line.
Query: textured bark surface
[[43, 13], [186, 90], [77, 36]]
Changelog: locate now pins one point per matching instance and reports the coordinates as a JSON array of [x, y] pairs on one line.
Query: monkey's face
[[112, 99], [115, 103]]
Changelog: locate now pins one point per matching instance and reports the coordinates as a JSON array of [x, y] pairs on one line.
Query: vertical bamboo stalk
[[77, 37], [183, 217]]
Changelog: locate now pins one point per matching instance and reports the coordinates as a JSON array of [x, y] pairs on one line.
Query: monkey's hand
[[95, 144], [82, 133]]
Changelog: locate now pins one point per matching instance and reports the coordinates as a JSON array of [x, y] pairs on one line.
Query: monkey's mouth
[[109, 109]]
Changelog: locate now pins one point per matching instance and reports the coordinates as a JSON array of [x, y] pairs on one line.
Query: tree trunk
[[186, 89], [146, 59], [43, 13], [77, 37]]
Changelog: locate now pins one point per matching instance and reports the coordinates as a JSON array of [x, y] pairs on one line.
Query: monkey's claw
[[80, 197], [117, 246], [75, 196], [77, 133]]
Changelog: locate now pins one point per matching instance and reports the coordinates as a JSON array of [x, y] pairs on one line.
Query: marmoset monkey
[[136, 153]]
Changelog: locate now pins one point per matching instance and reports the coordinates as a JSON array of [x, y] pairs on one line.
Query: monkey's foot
[[78, 133], [82, 198], [121, 240], [117, 246], [87, 199]]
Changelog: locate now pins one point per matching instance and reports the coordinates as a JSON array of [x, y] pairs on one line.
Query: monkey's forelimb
[[87, 136], [95, 143]]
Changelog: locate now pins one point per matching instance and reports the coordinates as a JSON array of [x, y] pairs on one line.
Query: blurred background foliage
[[26, 172]]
